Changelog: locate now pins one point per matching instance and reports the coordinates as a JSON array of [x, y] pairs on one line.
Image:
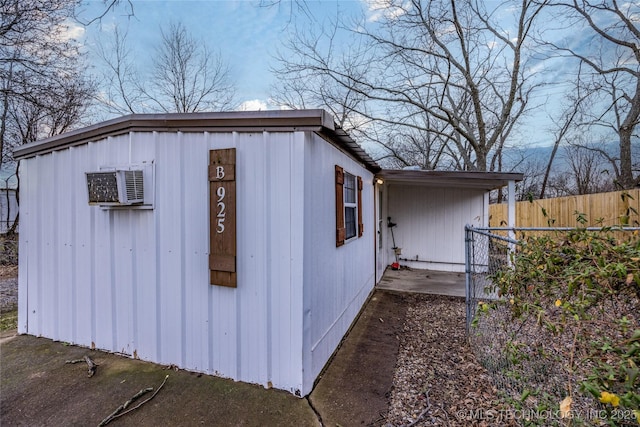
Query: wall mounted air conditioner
[[129, 186]]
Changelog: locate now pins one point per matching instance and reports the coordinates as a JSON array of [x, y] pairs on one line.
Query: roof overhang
[[486, 181], [318, 121]]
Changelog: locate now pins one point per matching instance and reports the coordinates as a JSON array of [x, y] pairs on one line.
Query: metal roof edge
[[281, 120], [347, 144], [417, 174], [484, 180]]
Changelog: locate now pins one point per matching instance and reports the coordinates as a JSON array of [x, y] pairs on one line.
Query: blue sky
[[246, 34]]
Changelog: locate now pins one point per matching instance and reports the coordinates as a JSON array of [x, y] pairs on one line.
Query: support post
[[511, 217], [468, 233]]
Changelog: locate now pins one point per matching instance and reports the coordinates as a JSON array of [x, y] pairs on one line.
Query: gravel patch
[[8, 294], [437, 379]]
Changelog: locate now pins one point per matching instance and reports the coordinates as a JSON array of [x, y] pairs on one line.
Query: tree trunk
[[626, 132], [481, 160], [626, 179]]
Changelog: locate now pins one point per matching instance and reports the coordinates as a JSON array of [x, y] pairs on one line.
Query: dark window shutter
[[340, 228], [360, 224]]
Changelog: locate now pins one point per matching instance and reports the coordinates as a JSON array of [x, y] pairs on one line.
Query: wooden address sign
[[222, 217]]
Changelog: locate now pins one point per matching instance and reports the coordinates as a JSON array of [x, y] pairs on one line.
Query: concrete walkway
[[354, 390], [423, 281]]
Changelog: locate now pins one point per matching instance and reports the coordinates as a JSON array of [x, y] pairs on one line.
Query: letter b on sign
[[219, 172]]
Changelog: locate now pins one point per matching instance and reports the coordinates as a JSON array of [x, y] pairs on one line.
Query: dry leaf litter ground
[[8, 294], [438, 380]]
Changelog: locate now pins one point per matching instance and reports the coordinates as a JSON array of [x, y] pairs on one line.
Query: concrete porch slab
[[423, 281]]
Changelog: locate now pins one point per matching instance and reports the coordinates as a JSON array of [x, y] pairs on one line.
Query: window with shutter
[[349, 222], [350, 206]]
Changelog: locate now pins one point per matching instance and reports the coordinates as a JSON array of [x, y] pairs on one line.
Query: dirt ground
[[8, 272], [41, 390]]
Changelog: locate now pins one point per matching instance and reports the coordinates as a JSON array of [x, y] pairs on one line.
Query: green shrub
[[582, 289]]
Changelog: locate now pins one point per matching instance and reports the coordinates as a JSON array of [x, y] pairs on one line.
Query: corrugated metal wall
[[136, 281], [430, 224], [337, 280]]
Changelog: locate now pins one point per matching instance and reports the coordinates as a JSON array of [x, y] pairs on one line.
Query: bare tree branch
[[616, 71], [109, 6], [43, 86], [186, 76], [440, 67]]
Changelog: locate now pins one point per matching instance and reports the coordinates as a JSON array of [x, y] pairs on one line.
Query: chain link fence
[[533, 368]]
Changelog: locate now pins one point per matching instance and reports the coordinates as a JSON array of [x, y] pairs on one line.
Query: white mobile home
[[236, 244]]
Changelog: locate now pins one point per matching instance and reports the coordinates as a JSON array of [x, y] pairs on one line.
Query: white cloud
[[108, 27], [379, 9], [70, 31], [253, 105], [261, 105], [628, 9]]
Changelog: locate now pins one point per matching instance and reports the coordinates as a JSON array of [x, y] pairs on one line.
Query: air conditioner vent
[[115, 187], [134, 185], [102, 187]]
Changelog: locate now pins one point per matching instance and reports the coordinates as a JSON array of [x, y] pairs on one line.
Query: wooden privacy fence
[[601, 209]]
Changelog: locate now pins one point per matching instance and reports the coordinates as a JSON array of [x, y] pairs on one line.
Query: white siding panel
[[145, 272], [146, 296], [82, 247], [37, 247], [284, 207], [122, 283], [337, 280], [169, 280], [381, 231], [42, 263], [292, 334], [252, 259], [47, 306], [430, 224], [196, 273], [27, 265], [63, 234]]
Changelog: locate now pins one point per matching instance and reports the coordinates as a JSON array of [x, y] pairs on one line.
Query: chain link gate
[[486, 253]]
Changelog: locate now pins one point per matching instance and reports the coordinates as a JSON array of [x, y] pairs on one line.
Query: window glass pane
[[350, 222], [349, 188]]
